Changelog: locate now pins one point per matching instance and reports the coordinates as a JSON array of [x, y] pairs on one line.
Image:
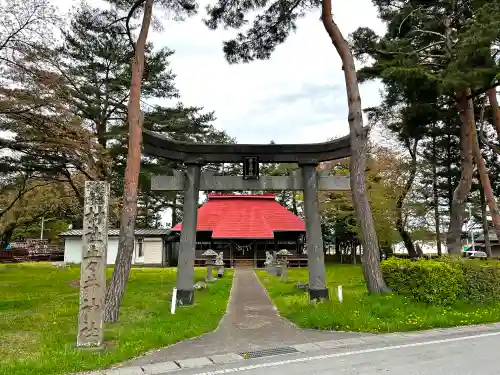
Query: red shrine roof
[[245, 216]]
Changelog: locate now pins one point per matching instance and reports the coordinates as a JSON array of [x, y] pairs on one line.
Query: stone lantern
[[209, 256], [219, 263], [282, 256]]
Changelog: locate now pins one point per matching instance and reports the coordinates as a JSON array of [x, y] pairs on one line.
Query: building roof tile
[[245, 217]]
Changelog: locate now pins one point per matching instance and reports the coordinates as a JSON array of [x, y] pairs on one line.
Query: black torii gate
[[191, 181]]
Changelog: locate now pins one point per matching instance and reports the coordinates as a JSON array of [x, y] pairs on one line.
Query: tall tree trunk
[[449, 177], [405, 235], [495, 110], [419, 250], [371, 254], [485, 181], [6, 237], [466, 108], [123, 262], [437, 219], [486, 228]]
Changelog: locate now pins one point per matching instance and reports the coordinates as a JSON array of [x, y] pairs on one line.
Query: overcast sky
[[297, 96]]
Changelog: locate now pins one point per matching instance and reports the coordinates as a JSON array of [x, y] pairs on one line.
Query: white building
[[428, 247], [150, 247]]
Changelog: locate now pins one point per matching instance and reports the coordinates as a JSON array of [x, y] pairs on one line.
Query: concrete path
[[251, 322]]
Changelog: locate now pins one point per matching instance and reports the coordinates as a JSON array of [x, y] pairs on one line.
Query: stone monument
[[219, 263], [93, 266]]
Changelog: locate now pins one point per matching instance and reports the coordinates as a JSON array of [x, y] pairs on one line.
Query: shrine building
[[244, 227]]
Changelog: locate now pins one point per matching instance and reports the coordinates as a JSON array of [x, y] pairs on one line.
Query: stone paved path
[[250, 323]]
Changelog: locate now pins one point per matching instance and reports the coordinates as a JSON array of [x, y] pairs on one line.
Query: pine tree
[[450, 43]]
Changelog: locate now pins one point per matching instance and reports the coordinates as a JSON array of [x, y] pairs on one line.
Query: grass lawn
[[362, 312], [38, 318]]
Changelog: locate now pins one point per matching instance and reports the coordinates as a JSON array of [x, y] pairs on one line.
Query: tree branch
[[136, 5]]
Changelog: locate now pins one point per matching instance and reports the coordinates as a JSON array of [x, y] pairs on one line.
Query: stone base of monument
[[279, 270], [185, 297], [284, 274], [210, 279], [318, 294], [100, 348]]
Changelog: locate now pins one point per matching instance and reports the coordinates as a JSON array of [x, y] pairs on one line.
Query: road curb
[[229, 358]]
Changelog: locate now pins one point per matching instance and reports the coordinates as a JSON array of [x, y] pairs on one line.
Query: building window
[[140, 250]]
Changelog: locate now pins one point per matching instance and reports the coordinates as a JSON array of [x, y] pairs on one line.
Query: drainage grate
[[268, 352]]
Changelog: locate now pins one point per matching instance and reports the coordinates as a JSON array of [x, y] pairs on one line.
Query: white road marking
[[333, 355]]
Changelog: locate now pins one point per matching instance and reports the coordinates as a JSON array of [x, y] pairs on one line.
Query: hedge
[[433, 282], [444, 281]]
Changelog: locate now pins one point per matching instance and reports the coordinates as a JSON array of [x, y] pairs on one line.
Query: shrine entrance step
[[243, 263]]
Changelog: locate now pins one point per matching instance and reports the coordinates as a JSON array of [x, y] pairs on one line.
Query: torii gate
[[191, 181]]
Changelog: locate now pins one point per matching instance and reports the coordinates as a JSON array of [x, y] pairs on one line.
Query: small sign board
[[250, 168]]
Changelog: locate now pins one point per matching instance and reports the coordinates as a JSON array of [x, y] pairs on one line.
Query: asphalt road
[[468, 353]]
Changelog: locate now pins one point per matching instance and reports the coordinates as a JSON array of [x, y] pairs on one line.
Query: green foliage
[[385, 175], [363, 312], [448, 42], [70, 119], [52, 228], [429, 54], [444, 281], [435, 283], [177, 9], [481, 280], [39, 307], [272, 22]]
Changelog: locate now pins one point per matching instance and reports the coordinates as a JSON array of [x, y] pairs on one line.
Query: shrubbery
[[444, 281], [437, 283], [481, 281]]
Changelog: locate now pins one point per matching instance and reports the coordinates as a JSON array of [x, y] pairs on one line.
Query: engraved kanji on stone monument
[[93, 266]]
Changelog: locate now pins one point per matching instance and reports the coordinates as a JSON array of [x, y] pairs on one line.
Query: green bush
[[436, 283], [444, 281], [481, 280]]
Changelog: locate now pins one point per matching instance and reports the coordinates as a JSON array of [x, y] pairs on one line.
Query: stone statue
[[219, 263], [219, 259], [269, 259]]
